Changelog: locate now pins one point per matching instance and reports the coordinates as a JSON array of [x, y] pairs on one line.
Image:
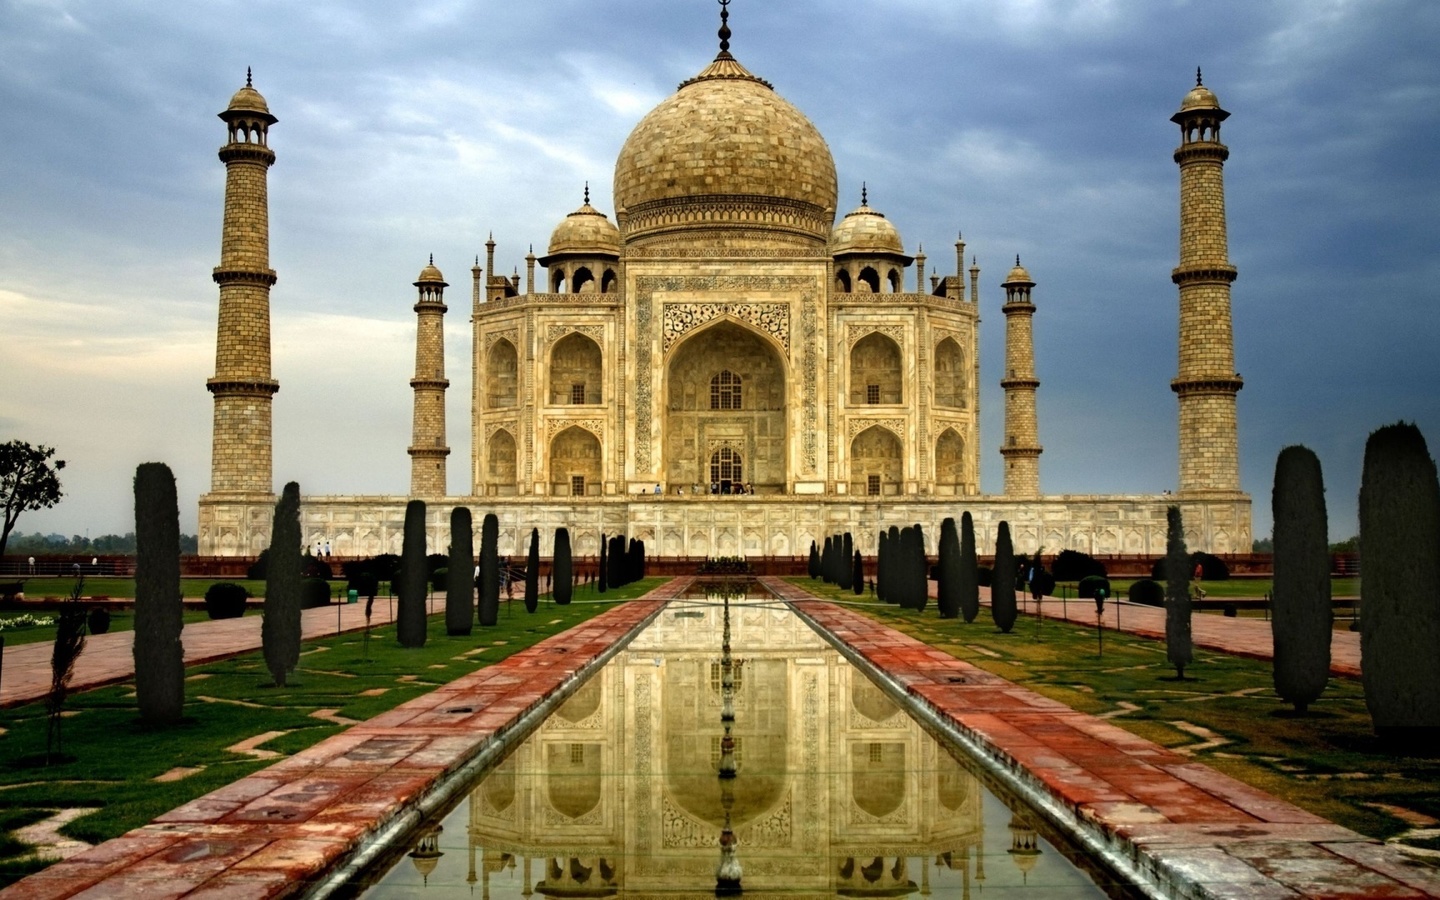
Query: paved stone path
[[1242, 636], [1189, 830], [109, 658], [265, 834]]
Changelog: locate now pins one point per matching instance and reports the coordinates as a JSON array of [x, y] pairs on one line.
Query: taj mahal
[[730, 365]]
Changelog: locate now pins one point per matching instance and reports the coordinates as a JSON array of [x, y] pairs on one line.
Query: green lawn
[[59, 587], [120, 620], [1231, 587], [1327, 762], [114, 760]]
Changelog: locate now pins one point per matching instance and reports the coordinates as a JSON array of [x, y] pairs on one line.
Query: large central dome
[[725, 153]]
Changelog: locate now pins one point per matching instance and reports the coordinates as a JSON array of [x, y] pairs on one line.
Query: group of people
[[716, 487]]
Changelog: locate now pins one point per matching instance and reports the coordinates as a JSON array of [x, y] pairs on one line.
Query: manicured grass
[[1328, 762], [1231, 587], [120, 620], [113, 759], [37, 588]]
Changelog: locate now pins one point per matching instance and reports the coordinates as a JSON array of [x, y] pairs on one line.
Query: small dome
[[865, 231], [1018, 275], [247, 99], [586, 231], [1200, 97], [430, 275]]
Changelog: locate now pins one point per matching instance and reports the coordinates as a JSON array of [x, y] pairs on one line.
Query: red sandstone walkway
[[269, 834], [108, 658], [1188, 830]]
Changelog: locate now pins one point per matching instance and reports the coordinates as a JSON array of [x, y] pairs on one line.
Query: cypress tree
[[280, 629], [1399, 609], [489, 570], [882, 567], [904, 567], [1002, 583], [632, 562], [640, 560], [845, 568], [1177, 594], [460, 574], [1303, 614], [827, 561], [857, 575], [894, 568], [814, 565], [921, 573], [602, 580], [969, 576], [621, 554], [159, 656], [410, 585], [562, 574], [947, 587], [532, 573]]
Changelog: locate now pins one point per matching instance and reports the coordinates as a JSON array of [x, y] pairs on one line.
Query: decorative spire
[[432, 259], [1198, 82], [247, 77], [1017, 259], [587, 193], [724, 27], [864, 194]]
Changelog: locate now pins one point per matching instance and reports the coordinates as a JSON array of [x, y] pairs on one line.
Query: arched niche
[[573, 778], [877, 777], [842, 281], [500, 457], [950, 463], [502, 375], [950, 375], [706, 375], [575, 454], [892, 281], [876, 373], [877, 462], [583, 281], [576, 371], [693, 731], [868, 281], [608, 282]]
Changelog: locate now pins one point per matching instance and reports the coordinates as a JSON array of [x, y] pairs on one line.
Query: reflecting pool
[[836, 791]]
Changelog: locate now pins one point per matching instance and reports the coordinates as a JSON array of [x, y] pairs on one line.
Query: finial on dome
[[587, 193], [1198, 82], [724, 27], [247, 77], [1017, 259], [864, 194]]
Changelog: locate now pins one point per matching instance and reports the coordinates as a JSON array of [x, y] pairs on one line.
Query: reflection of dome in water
[[426, 855]]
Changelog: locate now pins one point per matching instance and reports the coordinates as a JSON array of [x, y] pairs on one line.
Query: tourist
[[32, 565], [657, 490]]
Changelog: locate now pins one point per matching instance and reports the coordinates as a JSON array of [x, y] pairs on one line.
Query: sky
[[1036, 127]]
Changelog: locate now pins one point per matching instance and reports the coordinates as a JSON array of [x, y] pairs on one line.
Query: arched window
[[725, 467], [725, 391], [869, 281], [557, 280], [842, 281], [607, 282], [893, 281], [583, 282]]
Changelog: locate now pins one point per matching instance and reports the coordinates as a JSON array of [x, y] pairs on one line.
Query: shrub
[[98, 621], [563, 576], [410, 581], [969, 575], [384, 566], [314, 593], [314, 567], [364, 584], [226, 600], [488, 608], [260, 567], [439, 578], [1178, 644], [1042, 584], [1072, 565], [1147, 591], [1212, 567], [1002, 586], [1399, 608], [1088, 584], [280, 627], [1303, 615], [159, 656], [984, 576]]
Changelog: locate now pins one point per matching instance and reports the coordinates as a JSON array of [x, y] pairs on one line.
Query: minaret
[[240, 460], [1207, 383], [428, 449], [1022, 441]]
